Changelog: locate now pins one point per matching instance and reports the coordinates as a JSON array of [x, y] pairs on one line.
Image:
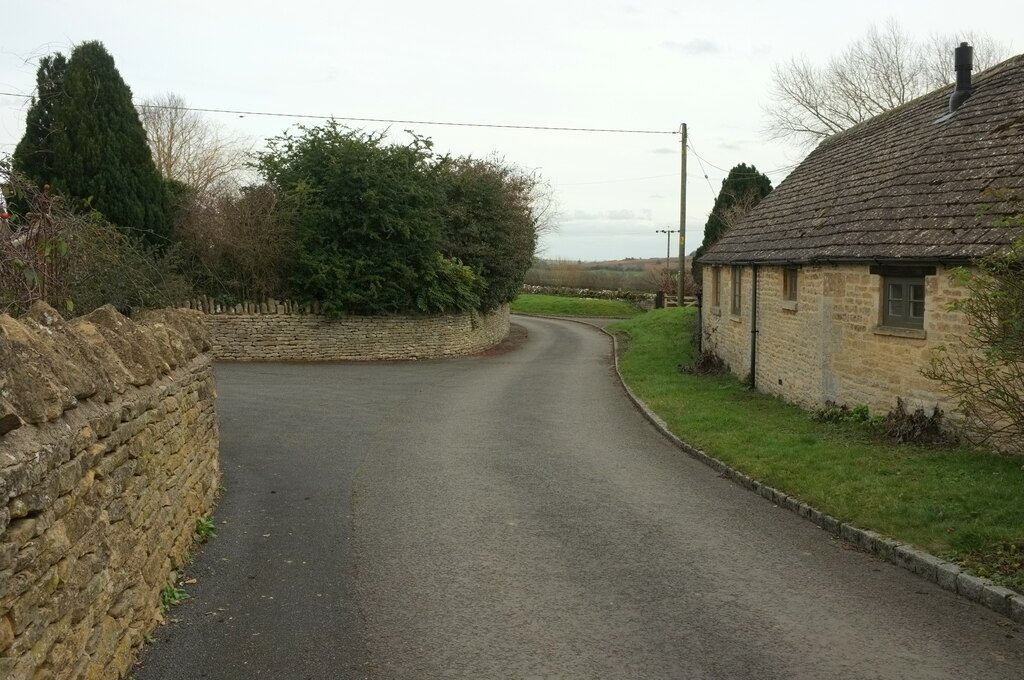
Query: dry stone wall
[[276, 331], [108, 454]]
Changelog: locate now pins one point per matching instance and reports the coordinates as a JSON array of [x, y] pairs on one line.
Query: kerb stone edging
[[945, 574]]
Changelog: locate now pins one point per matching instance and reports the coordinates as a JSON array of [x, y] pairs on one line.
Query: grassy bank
[[957, 503], [566, 306]]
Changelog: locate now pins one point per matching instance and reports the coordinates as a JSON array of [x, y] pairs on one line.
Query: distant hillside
[[633, 263], [639, 274]]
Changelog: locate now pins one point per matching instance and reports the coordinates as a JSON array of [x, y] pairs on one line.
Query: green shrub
[[368, 222], [490, 223]]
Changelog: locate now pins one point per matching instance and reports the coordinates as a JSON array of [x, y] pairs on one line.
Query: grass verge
[[957, 503], [567, 306]]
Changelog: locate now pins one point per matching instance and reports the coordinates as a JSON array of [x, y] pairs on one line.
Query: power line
[[616, 181], [717, 167], [392, 120], [689, 145]]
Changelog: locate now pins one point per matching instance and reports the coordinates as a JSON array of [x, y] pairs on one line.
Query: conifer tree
[[84, 138], [742, 189], [33, 155]]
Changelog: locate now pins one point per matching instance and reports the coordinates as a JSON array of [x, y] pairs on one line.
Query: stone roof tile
[[901, 185]]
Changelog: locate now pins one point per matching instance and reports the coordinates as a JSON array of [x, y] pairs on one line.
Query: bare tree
[[876, 73], [939, 65], [188, 148], [234, 243]]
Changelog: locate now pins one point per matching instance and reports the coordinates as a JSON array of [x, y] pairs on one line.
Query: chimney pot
[[963, 63]]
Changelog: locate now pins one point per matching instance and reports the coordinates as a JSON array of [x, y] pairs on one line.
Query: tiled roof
[[901, 186]]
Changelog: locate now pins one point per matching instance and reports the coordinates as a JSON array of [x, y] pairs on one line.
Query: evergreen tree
[[84, 138], [33, 155], [742, 189]]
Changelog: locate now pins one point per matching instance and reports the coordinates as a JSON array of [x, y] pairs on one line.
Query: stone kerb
[[274, 330], [108, 454]]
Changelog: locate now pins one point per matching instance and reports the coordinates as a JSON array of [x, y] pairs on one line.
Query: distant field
[[636, 274], [631, 264], [566, 306]]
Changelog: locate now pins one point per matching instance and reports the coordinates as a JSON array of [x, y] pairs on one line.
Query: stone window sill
[[735, 317], [789, 305], [717, 311], [897, 332]]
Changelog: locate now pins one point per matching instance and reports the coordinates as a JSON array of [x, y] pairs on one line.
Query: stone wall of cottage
[[829, 346], [277, 331], [108, 455]]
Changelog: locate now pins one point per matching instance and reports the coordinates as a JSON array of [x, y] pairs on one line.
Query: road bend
[[513, 516]]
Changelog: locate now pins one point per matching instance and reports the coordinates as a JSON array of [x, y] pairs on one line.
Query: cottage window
[[716, 287], [789, 284], [903, 301], [737, 280]]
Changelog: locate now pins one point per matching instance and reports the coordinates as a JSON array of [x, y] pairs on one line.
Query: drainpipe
[[700, 323], [753, 329]]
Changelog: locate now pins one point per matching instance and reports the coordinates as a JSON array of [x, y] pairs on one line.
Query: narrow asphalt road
[[512, 516]]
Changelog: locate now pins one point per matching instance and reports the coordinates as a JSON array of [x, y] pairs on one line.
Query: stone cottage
[[837, 285]]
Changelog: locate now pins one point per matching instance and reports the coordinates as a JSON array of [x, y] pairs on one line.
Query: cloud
[[665, 149], [693, 48]]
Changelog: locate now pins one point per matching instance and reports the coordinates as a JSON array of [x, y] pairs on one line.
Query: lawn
[[955, 502], [554, 305]]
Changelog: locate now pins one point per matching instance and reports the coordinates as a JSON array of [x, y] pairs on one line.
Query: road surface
[[513, 516]]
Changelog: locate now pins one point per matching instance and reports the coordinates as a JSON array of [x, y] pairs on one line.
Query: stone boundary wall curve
[[278, 331], [108, 455]]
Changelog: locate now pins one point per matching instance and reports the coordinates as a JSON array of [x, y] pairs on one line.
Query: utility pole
[[668, 243], [682, 216], [668, 250]]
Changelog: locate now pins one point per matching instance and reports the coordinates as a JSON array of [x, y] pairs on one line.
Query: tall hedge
[[490, 224], [369, 219], [84, 138]]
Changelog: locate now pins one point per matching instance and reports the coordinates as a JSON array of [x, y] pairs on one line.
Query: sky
[[648, 66]]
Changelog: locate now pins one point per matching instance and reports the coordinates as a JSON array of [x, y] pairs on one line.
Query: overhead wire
[[718, 167], [616, 181], [392, 120], [701, 161], [704, 172]]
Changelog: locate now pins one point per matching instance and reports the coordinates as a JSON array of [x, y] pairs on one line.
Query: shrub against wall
[[984, 370], [368, 222], [490, 223], [233, 245], [77, 261]]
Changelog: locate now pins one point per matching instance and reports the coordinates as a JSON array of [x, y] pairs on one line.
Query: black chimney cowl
[[963, 62]]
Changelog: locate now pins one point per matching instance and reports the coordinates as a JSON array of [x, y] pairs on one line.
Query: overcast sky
[[595, 64]]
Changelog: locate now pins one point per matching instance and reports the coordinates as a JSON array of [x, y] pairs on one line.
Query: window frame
[[716, 286], [736, 305], [905, 317], [790, 284]]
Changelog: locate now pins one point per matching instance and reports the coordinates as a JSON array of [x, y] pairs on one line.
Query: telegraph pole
[[682, 217], [668, 243], [668, 252]]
